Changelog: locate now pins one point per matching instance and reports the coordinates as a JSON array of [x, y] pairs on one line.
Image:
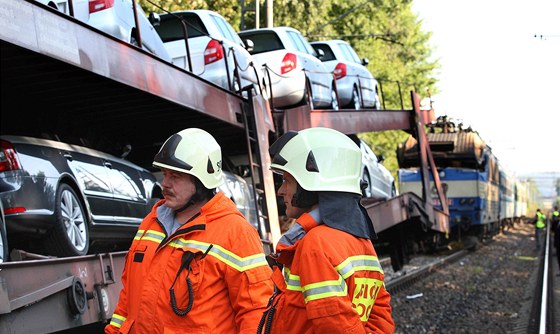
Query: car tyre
[[355, 102], [4, 251], [134, 41], [308, 95], [70, 234], [367, 191], [334, 98]]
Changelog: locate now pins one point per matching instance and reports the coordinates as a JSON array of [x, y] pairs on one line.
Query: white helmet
[[195, 152], [320, 159]]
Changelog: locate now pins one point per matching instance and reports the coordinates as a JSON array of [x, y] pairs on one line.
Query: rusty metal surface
[[350, 121], [457, 149], [32, 297], [71, 41], [405, 207]]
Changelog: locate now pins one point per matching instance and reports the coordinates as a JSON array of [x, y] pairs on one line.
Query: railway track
[[500, 287]]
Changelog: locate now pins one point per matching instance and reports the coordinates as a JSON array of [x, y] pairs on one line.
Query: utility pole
[[269, 14]]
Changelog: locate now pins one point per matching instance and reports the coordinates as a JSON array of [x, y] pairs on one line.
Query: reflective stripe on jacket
[[227, 274], [332, 282]]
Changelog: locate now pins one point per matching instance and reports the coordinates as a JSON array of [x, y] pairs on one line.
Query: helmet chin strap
[[184, 207], [303, 198]]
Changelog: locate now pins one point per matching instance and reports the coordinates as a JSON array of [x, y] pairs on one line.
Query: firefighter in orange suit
[[327, 275], [196, 265]]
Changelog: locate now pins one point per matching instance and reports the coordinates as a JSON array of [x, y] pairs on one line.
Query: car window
[[301, 44], [349, 53], [226, 29], [368, 151], [264, 41], [329, 55], [171, 29]]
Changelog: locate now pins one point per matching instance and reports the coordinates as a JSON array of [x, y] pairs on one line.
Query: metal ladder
[[257, 173]]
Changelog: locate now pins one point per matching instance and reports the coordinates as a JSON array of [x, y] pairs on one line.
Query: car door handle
[[107, 164], [68, 156]]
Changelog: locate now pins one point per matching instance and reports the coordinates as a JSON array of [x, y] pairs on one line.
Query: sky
[[497, 77]]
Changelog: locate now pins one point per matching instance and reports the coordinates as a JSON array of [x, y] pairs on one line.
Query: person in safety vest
[[555, 227], [326, 271], [540, 224], [196, 264]]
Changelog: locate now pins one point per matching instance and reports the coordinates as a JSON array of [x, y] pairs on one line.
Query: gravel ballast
[[484, 292]]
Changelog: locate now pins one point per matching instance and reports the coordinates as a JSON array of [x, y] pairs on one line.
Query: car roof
[[331, 41], [281, 28]]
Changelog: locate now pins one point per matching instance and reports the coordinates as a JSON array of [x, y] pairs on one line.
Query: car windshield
[[170, 29], [264, 41]]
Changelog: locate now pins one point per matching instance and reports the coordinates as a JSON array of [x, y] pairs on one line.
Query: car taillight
[[8, 157], [340, 71], [288, 63], [99, 5], [11, 211], [213, 52]]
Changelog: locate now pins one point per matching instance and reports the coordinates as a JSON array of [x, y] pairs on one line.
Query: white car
[[356, 86], [294, 70], [381, 183], [116, 18], [207, 31]]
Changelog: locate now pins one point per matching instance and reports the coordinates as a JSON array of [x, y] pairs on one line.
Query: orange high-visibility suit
[[332, 282], [216, 258]]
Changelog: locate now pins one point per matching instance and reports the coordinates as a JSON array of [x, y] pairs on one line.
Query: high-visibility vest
[[541, 218]]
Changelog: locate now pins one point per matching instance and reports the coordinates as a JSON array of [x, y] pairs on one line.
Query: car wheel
[[70, 234], [236, 83], [367, 191], [308, 95], [133, 40], [334, 99], [4, 256], [355, 103]]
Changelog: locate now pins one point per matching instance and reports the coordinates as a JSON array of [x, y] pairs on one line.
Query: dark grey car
[[68, 200]]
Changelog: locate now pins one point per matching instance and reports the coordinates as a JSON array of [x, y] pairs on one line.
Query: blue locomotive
[[483, 197]]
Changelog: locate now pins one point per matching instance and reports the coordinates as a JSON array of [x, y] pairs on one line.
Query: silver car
[[294, 70], [356, 86], [116, 18], [381, 183], [211, 41]]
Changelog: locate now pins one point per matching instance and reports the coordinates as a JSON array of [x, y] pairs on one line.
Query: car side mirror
[[154, 19], [320, 53], [249, 45], [365, 61], [380, 158]]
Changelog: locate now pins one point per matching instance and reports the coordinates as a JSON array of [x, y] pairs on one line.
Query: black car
[[65, 199]]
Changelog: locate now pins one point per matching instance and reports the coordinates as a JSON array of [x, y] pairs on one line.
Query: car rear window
[[170, 28], [329, 55], [264, 41]]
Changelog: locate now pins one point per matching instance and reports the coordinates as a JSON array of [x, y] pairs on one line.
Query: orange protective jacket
[[332, 282], [228, 276]]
